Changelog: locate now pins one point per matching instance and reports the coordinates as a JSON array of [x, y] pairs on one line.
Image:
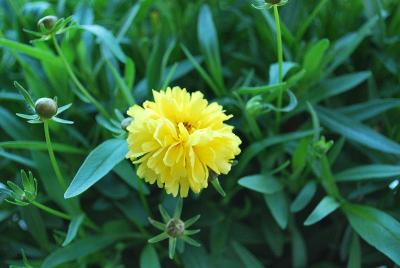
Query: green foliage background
[[294, 206]]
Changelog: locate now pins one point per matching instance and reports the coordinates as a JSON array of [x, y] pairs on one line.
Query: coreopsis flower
[[179, 139]]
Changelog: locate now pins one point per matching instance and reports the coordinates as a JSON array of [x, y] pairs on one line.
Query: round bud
[[46, 108], [48, 22], [126, 122], [175, 227]]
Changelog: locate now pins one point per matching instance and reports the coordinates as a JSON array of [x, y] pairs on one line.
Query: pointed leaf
[[262, 183], [73, 229], [98, 163], [323, 209], [377, 228]]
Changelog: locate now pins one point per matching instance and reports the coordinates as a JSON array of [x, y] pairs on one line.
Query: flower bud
[[254, 106], [48, 22], [126, 122], [175, 227], [46, 108], [322, 146]]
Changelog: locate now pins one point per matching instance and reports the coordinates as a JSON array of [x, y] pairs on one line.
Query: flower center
[[189, 127]]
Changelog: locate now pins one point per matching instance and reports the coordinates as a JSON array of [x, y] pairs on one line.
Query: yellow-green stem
[[280, 62], [51, 211], [53, 160], [81, 88], [62, 215]]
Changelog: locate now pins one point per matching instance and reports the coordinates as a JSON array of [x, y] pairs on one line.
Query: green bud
[[322, 146], [46, 108], [175, 227], [126, 122], [47, 22], [254, 106]]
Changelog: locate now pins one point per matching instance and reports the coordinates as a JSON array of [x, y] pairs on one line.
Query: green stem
[[280, 62], [53, 160], [62, 215], [51, 211], [328, 181], [81, 88]]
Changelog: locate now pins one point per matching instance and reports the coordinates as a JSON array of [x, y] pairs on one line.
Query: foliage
[[316, 184]]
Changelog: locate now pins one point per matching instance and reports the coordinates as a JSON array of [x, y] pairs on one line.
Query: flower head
[[178, 138]]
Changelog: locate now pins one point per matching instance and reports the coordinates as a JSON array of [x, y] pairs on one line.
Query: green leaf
[[17, 158], [299, 248], [125, 171], [368, 172], [304, 197], [79, 249], [262, 89], [106, 38], [274, 69], [171, 247], [149, 258], [25, 94], [208, 40], [277, 204], [336, 86], [314, 56], [256, 147], [40, 54], [73, 229], [369, 109], [344, 47], [355, 253], [323, 209], [247, 258], [265, 184], [98, 163], [377, 228], [357, 132], [121, 84], [299, 157]]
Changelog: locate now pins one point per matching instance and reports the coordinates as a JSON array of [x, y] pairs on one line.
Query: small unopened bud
[[322, 146], [254, 106], [126, 122], [175, 227], [48, 22], [46, 108], [273, 2]]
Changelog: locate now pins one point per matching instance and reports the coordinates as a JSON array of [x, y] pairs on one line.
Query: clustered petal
[[178, 138]]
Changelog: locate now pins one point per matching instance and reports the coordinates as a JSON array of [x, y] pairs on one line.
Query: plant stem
[[280, 62], [81, 88], [51, 211], [62, 215], [53, 160]]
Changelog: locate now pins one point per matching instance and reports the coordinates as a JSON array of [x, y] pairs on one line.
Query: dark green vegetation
[[294, 199]]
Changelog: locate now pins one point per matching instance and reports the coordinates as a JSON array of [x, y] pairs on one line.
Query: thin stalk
[[280, 62], [62, 215], [81, 88], [53, 160], [51, 211]]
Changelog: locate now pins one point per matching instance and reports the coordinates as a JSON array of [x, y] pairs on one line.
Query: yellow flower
[[178, 139]]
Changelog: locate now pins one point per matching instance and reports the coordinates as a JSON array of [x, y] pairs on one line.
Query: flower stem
[[53, 160], [280, 62], [81, 88], [51, 211], [62, 215]]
